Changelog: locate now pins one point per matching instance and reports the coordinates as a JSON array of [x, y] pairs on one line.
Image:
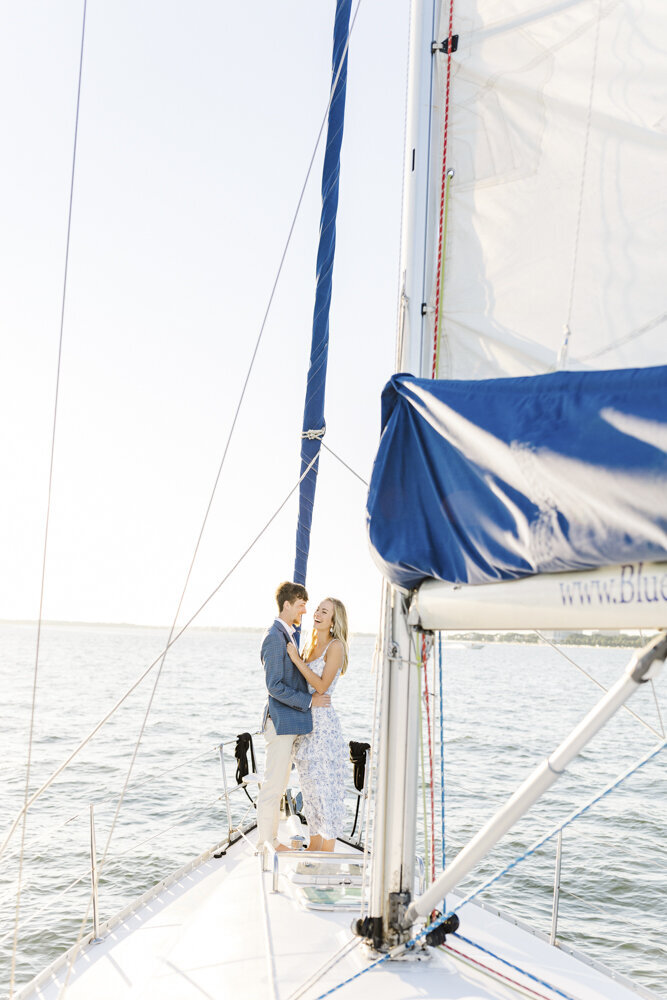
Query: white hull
[[217, 930]]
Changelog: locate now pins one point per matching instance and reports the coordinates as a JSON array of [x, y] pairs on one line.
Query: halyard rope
[[442, 751], [48, 509], [444, 195]]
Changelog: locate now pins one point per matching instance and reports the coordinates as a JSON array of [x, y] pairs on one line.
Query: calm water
[[506, 707]]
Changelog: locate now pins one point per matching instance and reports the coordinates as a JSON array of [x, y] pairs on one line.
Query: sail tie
[[313, 435]]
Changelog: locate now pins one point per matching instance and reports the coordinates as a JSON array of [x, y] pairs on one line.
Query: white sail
[[556, 214]]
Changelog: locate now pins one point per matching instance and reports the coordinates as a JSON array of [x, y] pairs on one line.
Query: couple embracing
[[300, 724]]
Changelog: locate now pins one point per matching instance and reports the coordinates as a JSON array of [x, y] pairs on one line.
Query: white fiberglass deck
[[218, 931]]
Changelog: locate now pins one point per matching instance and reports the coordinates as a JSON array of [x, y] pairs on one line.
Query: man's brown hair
[[290, 592]]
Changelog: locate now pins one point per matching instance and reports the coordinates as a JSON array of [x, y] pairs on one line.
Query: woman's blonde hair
[[339, 630]]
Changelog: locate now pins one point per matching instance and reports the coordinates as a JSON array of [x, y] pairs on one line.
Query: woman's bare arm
[[332, 664]]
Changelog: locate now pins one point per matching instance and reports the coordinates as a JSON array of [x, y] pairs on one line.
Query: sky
[[197, 123]]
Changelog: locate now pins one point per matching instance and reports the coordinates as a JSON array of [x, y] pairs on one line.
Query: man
[[288, 710]]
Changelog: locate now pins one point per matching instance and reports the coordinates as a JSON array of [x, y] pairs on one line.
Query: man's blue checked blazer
[[289, 700]]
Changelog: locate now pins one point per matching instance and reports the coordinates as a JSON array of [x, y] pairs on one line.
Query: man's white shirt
[[290, 633], [288, 628]]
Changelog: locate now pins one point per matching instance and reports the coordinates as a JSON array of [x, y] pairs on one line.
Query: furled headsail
[[313, 413]]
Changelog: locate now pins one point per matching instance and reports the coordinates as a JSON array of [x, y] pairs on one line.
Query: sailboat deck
[[218, 931]]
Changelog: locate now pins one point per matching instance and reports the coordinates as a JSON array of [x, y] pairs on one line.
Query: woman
[[321, 755]]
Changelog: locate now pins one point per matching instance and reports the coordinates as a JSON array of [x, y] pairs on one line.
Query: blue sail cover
[[476, 481], [313, 412]]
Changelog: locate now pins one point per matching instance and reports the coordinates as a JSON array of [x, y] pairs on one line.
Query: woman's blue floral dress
[[321, 758]]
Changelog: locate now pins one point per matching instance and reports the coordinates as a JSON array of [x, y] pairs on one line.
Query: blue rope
[[373, 965], [313, 414], [540, 843], [528, 975]]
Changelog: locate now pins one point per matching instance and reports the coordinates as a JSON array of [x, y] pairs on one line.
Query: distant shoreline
[[156, 628], [474, 638]]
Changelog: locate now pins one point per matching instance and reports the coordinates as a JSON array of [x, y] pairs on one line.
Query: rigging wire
[[225, 451], [33, 916], [195, 811], [657, 706], [343, 462], [47, 833], [171, 638], [74, 950], [133, 687], [574, 663], [226, 448], [337, 957], [562, 354], [48, 504]]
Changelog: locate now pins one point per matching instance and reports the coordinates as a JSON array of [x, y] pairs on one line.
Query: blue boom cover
[[476, 481]]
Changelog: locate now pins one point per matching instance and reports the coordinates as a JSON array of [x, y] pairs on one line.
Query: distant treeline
[[561, 638]]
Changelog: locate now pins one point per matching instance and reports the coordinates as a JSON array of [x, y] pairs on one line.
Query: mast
[[393, 863]]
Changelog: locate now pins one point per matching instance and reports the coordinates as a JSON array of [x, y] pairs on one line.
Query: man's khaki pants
[[277, 769]]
